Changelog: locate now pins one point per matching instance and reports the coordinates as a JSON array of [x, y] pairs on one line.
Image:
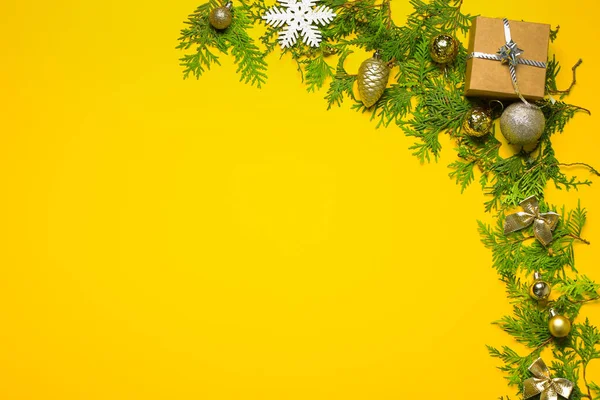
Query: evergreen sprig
[[205, 40], [426, 100]]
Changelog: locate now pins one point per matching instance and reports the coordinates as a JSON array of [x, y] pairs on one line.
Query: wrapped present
[[507, 59]]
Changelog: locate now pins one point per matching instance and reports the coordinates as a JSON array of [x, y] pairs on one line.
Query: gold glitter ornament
[[372, 79], [559, 325], [220, 17], [539, 289], [522, 124], [443, 49], [478, 122]]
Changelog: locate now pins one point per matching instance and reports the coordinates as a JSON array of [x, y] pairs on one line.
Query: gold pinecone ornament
[[373, 76]]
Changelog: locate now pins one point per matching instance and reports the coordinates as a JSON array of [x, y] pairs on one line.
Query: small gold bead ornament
[[443, 48], [220, 17], [478, 122]]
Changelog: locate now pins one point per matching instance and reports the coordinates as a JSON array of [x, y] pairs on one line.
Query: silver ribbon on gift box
[[509, 54]]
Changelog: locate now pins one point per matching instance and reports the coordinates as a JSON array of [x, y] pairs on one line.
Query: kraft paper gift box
[[491, 78]]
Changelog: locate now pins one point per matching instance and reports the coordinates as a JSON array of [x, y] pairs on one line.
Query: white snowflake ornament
[[299, 17]]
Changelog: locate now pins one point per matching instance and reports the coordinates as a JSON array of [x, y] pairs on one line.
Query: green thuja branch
[[519, 252], [514, 366], [594, 391], [581, 290], [342, 84], [204, 41], [552, 72], [317, 70]]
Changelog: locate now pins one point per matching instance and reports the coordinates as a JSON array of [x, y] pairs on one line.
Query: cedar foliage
[[426, 100]]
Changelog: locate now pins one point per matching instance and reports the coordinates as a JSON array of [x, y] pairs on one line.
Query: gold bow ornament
[[542, 383], [543, 223]]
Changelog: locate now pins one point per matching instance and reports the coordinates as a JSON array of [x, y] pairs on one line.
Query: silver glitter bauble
[[522, 124], [220, 17], [372, 79]]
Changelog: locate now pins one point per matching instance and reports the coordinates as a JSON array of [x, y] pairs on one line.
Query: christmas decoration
[[220, 17], [372, 79], [550, 388], [443, 49], [299, 17], [543, 223], [425, 102], [559, 325], [503, 72], [478, 122], [522, 124], [539, 289]]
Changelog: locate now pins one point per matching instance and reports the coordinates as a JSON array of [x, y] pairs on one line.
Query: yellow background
[[170, 239]]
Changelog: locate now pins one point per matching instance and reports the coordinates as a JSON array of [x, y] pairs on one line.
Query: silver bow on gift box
[[543, 223], [542, 383], [509, 54]]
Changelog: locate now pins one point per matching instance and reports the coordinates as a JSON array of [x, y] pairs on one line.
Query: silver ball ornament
[[522, 124], [539, 289]]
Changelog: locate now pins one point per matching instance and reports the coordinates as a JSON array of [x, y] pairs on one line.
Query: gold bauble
[[372, 79], [220, 17], [478, 122], [559, 326], [522, 124], [443, 49]]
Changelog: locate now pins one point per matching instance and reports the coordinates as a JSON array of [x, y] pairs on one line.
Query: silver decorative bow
[[542, 383], [509, 54], [543, 223]]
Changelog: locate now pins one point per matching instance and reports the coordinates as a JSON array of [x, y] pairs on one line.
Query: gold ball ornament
[[220, 17], [522, 124], [539, 289], [443, 49], [559, 325], [478, 122], [372, 79]]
